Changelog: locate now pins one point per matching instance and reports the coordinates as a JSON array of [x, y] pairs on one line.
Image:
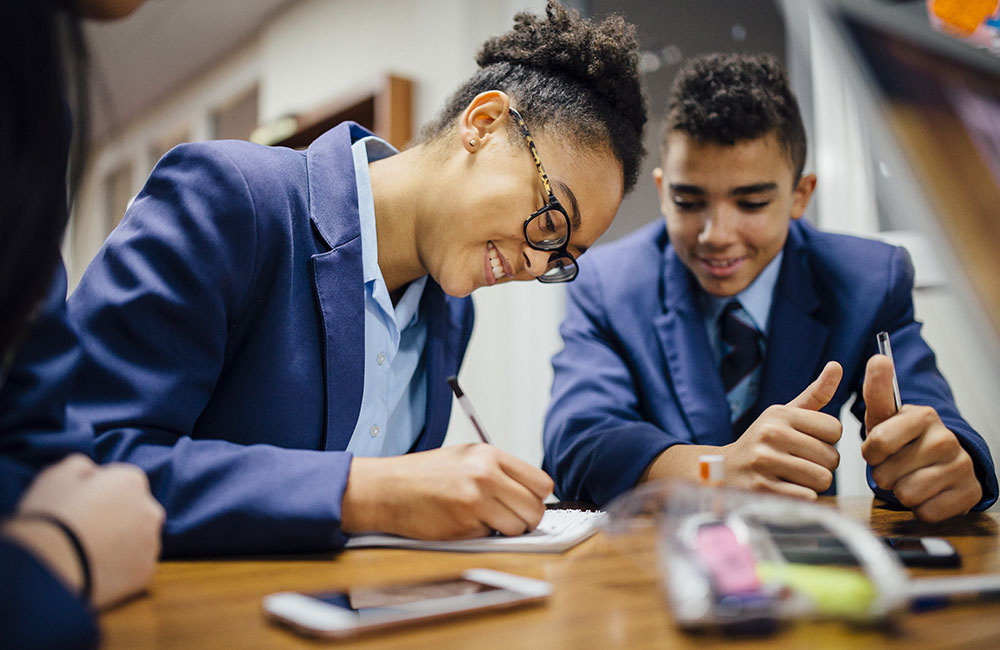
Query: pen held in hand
[[466, 405], [882, 338]]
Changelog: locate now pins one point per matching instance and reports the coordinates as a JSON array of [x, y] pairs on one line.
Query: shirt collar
[[368, 150]]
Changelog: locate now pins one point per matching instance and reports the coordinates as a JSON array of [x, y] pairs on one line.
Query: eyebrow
[[755, 188], [686, 189], [574, 211]]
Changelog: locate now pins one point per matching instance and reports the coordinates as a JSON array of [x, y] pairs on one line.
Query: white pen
[[466, 405], [882, 338]]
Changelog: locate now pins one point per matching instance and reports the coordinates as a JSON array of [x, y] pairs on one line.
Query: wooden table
[[603, 598]]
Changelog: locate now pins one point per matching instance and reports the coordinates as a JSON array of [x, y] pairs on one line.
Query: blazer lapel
[[684, 343], [441, 361], [796, 335], [337, 277]]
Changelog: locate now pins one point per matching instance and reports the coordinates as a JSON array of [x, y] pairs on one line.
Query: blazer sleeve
[[154, 310], [597, 441], [34, 429], [37, 610], [920, 381]]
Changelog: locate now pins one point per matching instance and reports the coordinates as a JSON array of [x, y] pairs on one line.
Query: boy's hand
[[790, 449], [913, 454]]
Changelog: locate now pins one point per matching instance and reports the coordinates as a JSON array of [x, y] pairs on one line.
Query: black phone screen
[[814, 544]]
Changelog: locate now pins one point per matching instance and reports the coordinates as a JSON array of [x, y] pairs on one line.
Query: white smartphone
[[366, 609]]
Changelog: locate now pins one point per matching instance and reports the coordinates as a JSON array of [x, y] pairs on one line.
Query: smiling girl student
[[268, 331]]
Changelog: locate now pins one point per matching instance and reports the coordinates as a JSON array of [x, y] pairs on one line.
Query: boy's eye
[[754, 205], [684, 204]]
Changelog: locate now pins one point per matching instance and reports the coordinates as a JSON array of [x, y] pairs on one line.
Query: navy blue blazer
[[637, 375], [34, 430], [36, 609], [223, 325]]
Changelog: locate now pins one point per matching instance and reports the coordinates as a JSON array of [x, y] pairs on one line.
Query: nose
[[719, 228], [536, 262]]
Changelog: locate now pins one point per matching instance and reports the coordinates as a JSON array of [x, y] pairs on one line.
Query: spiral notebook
[[558, 531]]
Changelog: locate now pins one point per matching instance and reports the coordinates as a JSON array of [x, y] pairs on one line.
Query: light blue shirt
[[756, 301], [394, 401]]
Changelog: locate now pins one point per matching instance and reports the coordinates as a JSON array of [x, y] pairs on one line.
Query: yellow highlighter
[[833, 591]]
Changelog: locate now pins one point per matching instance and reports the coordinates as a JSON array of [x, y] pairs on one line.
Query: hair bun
[[600, 56]]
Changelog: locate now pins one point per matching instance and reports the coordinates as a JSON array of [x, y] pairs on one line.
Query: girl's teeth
[[495, 263]]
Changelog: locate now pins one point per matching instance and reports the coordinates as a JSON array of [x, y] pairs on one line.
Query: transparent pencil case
[[744, 562]]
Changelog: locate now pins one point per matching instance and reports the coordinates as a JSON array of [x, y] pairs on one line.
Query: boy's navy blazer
[[637, 374], [223, 326]]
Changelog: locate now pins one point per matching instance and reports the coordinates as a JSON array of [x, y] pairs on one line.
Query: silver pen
[[882, 338]]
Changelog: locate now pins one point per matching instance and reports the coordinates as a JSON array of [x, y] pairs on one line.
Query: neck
[[399, 190]]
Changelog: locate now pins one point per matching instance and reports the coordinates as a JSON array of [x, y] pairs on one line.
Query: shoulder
[[621, 276], [849, 261], [648, 240], [231, 161], [228, 184], [633, 259]]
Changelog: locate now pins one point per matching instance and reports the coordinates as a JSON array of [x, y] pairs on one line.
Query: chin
[[723, 289], [454, 289]]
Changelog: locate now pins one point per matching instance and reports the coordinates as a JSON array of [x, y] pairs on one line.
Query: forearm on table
[[677, 461]]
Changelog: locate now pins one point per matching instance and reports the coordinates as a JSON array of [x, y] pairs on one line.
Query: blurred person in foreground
[[74, 536]]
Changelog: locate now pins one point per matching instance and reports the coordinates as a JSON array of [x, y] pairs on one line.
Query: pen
[[884, 348], [466, 405]]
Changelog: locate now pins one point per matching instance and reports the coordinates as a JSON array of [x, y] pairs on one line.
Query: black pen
[[466, 405]]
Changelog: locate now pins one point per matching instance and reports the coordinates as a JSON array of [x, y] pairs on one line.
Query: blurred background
[[283, 71]]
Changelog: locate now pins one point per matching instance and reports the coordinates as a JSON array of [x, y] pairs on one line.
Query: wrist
[[53, 547], [679, 461], [360, 508]]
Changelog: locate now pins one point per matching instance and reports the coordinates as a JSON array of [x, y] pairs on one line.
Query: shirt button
[[375, 431], [380, 359]]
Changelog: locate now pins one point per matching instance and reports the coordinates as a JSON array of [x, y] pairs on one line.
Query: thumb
[[821, 391], [880, 404]]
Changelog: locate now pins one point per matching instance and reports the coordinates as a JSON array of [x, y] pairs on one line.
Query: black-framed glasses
[[548, 228]]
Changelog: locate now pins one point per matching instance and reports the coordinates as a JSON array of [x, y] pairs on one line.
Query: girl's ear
[[483, 118]]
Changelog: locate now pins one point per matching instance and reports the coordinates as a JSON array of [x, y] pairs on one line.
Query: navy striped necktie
[[741, 364]]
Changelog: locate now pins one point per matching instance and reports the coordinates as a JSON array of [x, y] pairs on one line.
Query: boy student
[[734, 327]]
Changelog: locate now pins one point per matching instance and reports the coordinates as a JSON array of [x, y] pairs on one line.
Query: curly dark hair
[[727, 98], [562, 69]]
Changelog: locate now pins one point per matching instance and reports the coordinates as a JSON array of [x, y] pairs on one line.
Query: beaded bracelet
[[74, 540]]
